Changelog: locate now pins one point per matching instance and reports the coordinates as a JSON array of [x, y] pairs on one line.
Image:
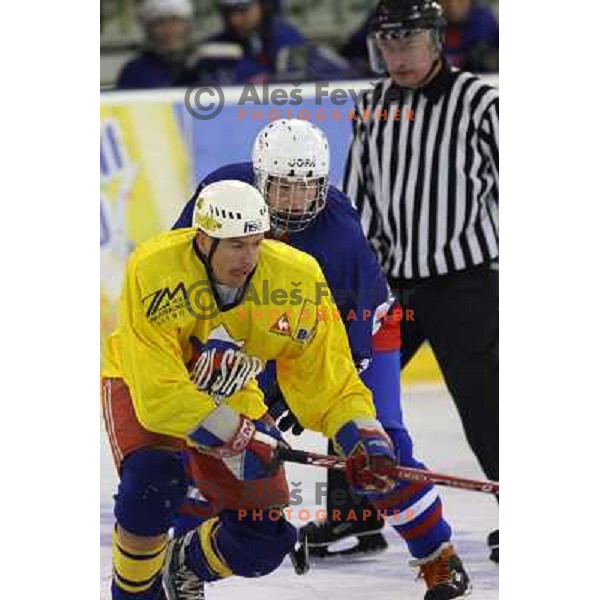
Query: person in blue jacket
[[163, 61], [290, 167], [255, 46], [471, 37], [272, 49], [262, 35]]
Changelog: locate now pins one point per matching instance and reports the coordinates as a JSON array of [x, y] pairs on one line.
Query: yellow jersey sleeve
[[319, 380]]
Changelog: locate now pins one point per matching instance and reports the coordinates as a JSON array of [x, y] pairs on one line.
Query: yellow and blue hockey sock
[[220, 546], [136, 574], [413, 509]]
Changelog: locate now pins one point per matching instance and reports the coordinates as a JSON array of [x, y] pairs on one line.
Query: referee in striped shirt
[[426, 188]]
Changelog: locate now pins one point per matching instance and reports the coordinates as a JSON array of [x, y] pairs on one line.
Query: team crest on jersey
[[220, 367], [282, 326]]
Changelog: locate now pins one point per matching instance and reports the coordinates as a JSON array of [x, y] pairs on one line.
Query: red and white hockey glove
[[370, 456], [225, 433]]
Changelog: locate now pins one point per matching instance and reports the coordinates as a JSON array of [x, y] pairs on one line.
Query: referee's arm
[[488, 138], [358, 184]]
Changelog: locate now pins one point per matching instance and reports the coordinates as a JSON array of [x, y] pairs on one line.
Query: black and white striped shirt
[[427, 188]]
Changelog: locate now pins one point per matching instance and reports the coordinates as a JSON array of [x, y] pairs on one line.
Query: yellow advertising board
[[145, 178]]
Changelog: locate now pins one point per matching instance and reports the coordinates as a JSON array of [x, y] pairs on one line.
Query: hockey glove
[[369, 455], [226, 434]]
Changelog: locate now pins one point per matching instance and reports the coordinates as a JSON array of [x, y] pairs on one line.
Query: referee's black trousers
[[458, 315]]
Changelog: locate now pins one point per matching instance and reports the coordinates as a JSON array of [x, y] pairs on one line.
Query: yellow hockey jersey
[[182, 356]]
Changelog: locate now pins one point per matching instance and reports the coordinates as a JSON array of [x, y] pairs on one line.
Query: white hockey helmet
[[230, 209], [291, 159], [154, 10]]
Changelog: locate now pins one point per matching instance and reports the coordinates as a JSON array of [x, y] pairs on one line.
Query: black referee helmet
[[403, 18], [406, 15]]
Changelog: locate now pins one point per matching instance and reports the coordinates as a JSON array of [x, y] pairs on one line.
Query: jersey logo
[[206, 222], [220, 367], [165, 304], [302, 162], [307, 324], [253, 226], [282, 326]]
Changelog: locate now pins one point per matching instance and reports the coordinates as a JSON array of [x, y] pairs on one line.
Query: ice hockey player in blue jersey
[[290, 167]]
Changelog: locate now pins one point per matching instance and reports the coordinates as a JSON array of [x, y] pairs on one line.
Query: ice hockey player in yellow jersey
[[202, 311]]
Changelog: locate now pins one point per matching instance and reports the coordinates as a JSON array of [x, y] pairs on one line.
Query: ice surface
[[440, 443]]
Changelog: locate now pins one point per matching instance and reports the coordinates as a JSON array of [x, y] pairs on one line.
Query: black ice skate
[[444, 575], [179, 582], [494, 545], [321, 534]]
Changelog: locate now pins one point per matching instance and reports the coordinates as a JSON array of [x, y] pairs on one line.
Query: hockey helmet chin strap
[[434, 66], [207, 260]]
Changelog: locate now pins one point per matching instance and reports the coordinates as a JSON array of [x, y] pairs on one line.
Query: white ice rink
[[439, 441]]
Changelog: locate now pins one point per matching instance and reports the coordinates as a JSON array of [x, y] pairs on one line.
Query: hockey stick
[[407, 473]]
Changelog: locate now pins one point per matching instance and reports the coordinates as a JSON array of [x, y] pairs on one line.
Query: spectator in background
[[355, 49], [168, 27], [271, 49], [262, 35], [471, 41], [255, 45]]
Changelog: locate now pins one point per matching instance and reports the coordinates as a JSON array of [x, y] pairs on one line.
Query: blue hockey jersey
[[336, 240]]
